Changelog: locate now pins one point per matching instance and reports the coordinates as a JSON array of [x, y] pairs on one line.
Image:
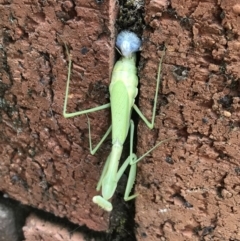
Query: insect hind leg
[[133, 168]]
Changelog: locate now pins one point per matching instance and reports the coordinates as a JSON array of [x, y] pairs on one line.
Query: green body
[[123, 90]]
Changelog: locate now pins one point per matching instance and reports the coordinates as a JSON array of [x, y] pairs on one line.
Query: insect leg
[[157, 145], [133, 169], [148, 123], [93, 150], [67, 115], [104, 171]]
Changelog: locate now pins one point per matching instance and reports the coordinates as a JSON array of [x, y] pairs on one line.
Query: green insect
[[123, 91]]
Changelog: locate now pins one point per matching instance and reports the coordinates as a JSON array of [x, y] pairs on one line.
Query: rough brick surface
[[37, 229], [45, 160], [189, 188]]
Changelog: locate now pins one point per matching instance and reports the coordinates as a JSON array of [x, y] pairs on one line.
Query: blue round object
[[128, 42]]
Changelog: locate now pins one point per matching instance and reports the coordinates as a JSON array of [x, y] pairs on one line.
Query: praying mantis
[[123, 91]]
